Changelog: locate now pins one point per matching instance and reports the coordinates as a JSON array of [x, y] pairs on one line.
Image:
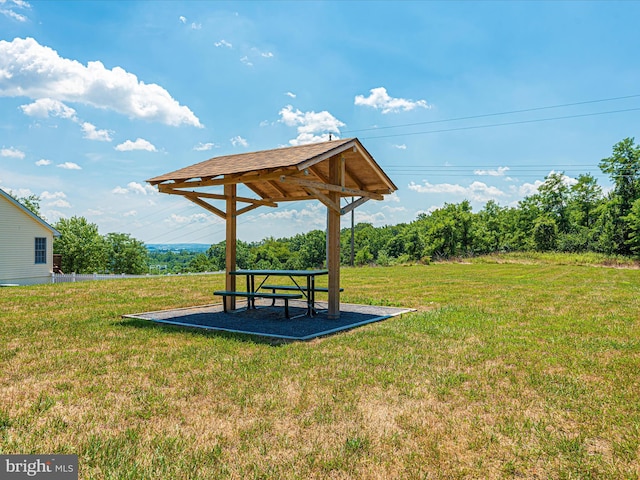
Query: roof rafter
[[332, 188]]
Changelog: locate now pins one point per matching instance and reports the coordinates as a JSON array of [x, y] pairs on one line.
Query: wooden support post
[[231, 233], [333, 240]]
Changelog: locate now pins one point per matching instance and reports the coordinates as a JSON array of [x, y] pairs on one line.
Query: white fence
[[77, 277]]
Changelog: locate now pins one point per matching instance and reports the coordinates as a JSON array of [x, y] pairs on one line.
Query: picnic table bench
[[257, 289], [253, 295], [295, 288]]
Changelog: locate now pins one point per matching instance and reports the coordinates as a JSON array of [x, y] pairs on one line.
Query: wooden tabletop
[[283, 273]]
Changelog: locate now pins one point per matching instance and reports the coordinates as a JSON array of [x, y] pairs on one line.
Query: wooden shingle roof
[[249, 162], [307, 161], [283, 174]]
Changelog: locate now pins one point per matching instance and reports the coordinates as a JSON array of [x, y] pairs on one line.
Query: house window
[[41, 250]]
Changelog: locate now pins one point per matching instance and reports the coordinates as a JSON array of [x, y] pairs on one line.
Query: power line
[[509, 112], [520, 122]]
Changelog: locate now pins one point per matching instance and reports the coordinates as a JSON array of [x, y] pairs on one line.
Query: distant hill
[[178, 247]]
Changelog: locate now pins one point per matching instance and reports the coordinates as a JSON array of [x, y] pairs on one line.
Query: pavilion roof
[[286, 174]]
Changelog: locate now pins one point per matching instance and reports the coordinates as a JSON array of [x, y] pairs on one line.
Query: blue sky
[[97, 97]]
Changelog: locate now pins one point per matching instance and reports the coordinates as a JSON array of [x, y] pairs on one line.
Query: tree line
[[564, 215]]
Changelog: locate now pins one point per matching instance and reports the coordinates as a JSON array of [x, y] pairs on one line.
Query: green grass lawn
[[506, 370]]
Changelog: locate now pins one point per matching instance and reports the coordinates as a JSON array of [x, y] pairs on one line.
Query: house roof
[[28, 212], [285, 174]]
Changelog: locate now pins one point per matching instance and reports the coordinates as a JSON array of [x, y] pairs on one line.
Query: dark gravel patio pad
[[269, 321]]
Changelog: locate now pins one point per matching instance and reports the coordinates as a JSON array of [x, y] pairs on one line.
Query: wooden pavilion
[[327, 171]]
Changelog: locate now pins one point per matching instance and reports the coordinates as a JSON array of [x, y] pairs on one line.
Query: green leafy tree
[[633, 225], [200, 263], [32, 202], [272, 253], [583, 209], [450, 231], [364, 256], [126, 254], [623, 167], [523, 222], [553, 196], [83, 249], [490, 228], [311, 248], [217, 255], [585, 197], [545, 233]]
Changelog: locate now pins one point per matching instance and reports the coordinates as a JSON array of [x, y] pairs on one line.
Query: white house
[[26, 244]]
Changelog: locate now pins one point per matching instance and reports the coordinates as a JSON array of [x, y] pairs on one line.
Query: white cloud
[[12, 153], [568, 181], [429, 210], [69, 166], [499, 172], [389, 209], [8, 8], [19, 192], [92, 133], [201, 147], [139, 144], [182, 19], [281, 215], [477, 191], [380, 99], [246, 61], [312, 127], [135, 187], [52, 196], [375, 219], [130, 213], [184, 220], [223, 43], [48, 107], [43, 162], [393, 197], [400, 147], [60, 203], [238, 140], [35, 71], [427, 187], [266, 54], [313, 215], [196, 26], [290, 94], [528, 189]]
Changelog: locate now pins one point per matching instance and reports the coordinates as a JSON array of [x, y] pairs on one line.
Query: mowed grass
[[506, 370]]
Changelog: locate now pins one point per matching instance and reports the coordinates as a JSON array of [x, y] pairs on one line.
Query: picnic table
[[304, 286]]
